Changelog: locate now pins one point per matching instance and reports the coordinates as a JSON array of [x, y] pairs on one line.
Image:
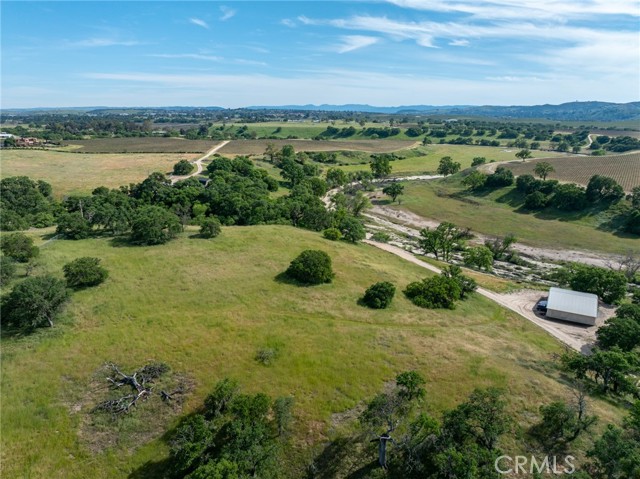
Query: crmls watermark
[[516, 465]]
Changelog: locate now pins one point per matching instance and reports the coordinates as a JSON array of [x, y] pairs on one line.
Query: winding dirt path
[[198, 164]]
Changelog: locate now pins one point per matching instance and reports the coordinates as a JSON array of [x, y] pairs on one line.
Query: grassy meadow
[[206, 306], [497, 212], [71, 173]]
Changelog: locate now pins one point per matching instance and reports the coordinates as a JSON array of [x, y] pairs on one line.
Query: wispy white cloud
[[554, 10], [287, 22], [459, 43], [227, 13], [199, 22], [101, 42], [355, 42], [193, 56]]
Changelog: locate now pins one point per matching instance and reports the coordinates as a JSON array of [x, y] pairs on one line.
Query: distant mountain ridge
[[576, 111], [581, 111]]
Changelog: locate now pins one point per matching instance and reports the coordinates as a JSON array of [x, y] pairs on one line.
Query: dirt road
[[198, 164], [577, 337]]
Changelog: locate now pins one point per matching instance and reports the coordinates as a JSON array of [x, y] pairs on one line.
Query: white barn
[[572, 306]]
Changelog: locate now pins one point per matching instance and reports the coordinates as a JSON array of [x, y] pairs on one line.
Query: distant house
[[4, 136], [572, 306], [27, 142]]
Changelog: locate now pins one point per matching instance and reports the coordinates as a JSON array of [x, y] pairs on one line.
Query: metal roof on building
[[585, 304]]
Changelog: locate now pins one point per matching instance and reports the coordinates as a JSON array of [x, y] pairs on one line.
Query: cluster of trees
[[442, 291], [235, 435], [26, 203], [618, 144], [609, 285], [37, 301], [154, 211]]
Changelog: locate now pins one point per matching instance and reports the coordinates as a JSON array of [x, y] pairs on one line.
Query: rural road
[[198, 163], [572, 336]]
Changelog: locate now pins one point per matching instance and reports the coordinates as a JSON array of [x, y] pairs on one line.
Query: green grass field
[[495, 213], [428, 163], [71, 173], [206, 306]]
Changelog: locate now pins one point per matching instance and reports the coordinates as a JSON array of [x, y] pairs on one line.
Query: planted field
[[71, 173], [427, 163], [496, 213], [140, 145], [158, 305], [257, 147], [625, 169]]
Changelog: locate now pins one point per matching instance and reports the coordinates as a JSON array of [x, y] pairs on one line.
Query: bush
[[210, 227], [479, 257], [569, 197], [182, 168], [35, 302], [332, 234], [18, 247], [436, 292], [610, 286], [379, 295], [381, 237], [73, 226], [266, 356], [311, 267], [535, 201], [352, 229], [7, 270], [154, 225], [501, 177], [84, 272]]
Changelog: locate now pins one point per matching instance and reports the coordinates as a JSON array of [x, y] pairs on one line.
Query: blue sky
[[241, 53]]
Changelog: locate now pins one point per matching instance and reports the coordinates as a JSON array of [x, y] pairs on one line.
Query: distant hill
[[577, 111], [581, 111]]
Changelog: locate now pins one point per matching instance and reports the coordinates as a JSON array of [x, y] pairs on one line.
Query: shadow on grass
[[343, 457], [283, 278]]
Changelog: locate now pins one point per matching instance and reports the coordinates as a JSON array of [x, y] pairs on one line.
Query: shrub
[[478, 160], [84, 272], [379, 295], [381, 237], [352, 229], [210, 227], [18, 247], [182, 168], [311, 267], [7, 270], [266, 356], [332, 234], [479, 257], [569, 197], [436, 292], [35, 302], [501, 177], [535, 201]]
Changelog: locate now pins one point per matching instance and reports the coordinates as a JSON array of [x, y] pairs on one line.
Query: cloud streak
[[227, 13], [355, 42], [199, 22]]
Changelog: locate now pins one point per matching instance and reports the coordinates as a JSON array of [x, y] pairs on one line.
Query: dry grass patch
[[71, 173]]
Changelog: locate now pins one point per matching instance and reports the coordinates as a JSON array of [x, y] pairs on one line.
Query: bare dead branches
[[140, 384]]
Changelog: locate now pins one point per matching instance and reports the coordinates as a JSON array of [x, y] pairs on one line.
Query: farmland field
[[496, 214], [71, 173], [463, 154], [157, 305], [140, 145], [257, 147], [625, 169]]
